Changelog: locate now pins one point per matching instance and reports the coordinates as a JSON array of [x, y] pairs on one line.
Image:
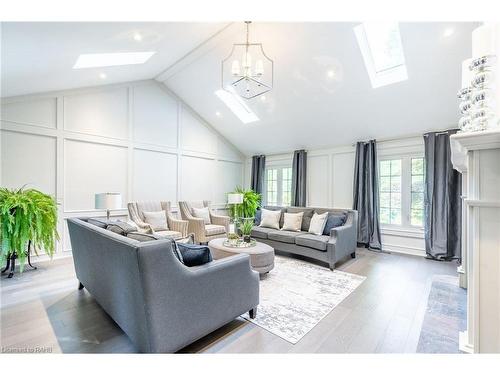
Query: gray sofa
[[161, 304], [331, 248]]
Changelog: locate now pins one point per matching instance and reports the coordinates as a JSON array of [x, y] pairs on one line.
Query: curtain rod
[[382, 140]]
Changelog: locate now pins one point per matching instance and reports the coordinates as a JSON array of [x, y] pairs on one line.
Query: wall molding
[[224, 151]]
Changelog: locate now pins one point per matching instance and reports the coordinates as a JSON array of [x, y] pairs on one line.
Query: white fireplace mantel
[[477, 157]]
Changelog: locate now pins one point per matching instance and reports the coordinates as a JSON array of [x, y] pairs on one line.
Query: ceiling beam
[[197, 52]]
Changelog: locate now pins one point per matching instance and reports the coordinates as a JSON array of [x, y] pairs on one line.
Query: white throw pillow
[[157, 219], [318, 223], [202, 213], [270, 219], [292, 222]]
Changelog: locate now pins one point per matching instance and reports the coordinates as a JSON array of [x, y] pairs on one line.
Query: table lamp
[[108, 201]]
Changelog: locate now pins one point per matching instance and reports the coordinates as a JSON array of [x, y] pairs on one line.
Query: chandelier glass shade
[[247, 71]]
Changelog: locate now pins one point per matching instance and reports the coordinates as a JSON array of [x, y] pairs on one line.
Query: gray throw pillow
[[101, 223], [334, 221], [143, 237], [193, 255], [120, 227]]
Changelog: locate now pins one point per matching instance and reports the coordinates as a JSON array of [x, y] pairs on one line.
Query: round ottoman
[[261, 255]]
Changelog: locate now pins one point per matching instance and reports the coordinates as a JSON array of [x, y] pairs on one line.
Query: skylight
[[382, 52], [94, 60], [236, 104]]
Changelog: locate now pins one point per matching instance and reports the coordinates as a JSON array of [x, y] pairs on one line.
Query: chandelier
[[241, 76]]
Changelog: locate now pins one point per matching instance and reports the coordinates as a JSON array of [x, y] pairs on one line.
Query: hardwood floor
[[44, 309]]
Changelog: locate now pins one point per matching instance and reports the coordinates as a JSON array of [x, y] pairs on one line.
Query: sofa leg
[[332, 266], [80, 286], [353, 255], [253, 313]]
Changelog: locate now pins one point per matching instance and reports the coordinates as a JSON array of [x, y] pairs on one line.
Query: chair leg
[[80, 286], [353, 255], [253, 313]]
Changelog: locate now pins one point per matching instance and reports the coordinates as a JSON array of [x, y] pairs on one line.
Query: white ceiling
[[306, 109], [39, 56]]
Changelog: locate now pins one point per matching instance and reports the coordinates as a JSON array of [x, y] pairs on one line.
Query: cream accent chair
[[218, 227], [176, 228]]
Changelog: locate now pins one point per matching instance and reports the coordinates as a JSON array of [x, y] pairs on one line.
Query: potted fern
[[27, 217], [247, 209]]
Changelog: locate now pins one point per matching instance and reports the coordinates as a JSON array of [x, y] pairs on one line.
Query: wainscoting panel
[[91, 168], [195, 135], [136, 138], [28, 159], [155, 116], [158, 167], [197, 179], [228, 172], [318, 177], [101, 112], [343, 171], [39, 112]]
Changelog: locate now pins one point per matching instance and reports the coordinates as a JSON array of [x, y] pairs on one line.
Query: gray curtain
[[258, 170], [442, 199], [366, 200], [299, 173]]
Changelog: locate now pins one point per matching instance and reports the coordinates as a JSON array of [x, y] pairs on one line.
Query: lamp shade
[[108, 201], [234, 198]]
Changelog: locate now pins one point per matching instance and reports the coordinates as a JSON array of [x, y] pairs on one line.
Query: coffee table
[[261, 255]]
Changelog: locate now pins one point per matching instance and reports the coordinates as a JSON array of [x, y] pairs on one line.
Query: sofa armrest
[[343, 238], [177, 225], [220, 220], [197, 226]]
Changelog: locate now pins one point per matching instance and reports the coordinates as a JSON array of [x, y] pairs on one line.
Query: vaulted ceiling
[[306, 109]]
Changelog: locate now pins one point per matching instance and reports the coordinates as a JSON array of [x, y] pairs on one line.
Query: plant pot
[[246, 238]]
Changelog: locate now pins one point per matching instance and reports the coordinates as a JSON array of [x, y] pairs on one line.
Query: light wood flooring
[[43, 309]]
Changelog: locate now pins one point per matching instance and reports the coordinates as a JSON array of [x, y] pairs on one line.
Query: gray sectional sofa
[[330, 248], [161, 304]]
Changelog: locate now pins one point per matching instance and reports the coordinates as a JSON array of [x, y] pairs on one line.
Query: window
[[272, 187], [417, 191], [390, 192], [278, 186], [401, 191], [382, 51]]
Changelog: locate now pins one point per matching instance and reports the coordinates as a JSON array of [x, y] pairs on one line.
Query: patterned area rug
[[296, 295], [444, 318]]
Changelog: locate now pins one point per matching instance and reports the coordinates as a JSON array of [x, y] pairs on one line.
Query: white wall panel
[[103, 113], [197, 179], [155, 116], [28, 160], [227, 151], [195, 135], [343, 178], [318, 180], [39, 112], [90, 150], [155, 176], [91, 168], [230, 175]]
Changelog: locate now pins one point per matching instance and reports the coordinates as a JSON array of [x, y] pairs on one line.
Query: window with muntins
[[401, 191], [278, 190]]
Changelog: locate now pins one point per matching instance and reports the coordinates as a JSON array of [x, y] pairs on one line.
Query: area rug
[[445, 316], [296, 295]]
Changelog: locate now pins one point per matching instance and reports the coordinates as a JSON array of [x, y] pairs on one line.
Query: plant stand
[[11, 262]]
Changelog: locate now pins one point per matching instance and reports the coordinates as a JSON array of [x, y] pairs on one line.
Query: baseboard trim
[[404, 250]]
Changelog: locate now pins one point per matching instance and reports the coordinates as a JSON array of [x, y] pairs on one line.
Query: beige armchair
[[176, 228], [218, 227]]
